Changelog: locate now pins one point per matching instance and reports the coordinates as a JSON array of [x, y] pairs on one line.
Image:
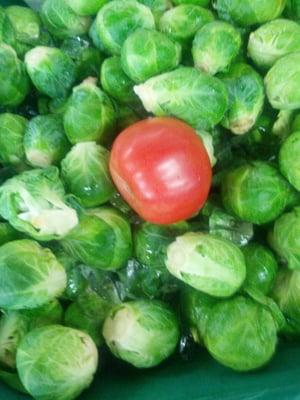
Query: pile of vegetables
[[149, 185]]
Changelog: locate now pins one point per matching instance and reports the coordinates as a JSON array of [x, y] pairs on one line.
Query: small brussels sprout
[[116, 83], [208, 263], [89, 115], [281, 80], [101, 240], [12, 128], [143, 333], [146, 53], [118, 19], [215, 46], [61, 21], [255, 192], [26, 24], [249, 12], [56, 362], [7, 32], [51, 71], [86, 174], [33, 276], [272, 41], [289, 159], [186, 93], [158, 7], [86, 8], [14, 82], [34, 202], [45, 142]]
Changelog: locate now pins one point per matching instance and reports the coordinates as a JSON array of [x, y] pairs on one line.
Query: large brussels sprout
[[86, 174], [158, 7], [86, 7], [289, 159], [14, 82], [45, 142], [34, 203], [118, 19], [89, 115], [32, 276], [26, 24], [241, 334], [51, 71], [249, 12], [188, 94], [246, 98], [7, 32], [146, 53], [272, 41], [255, 192], [142, 333], [101, 240], [12, 128], [61, 20], [208, 263], [56, 362], [281, 80], [215, 46]]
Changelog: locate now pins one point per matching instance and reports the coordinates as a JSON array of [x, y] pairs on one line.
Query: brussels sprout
[[58, 105], [7, 33], [272, 41], [33, 276], [12, 128], [283, 124], [208, 263], [255, 192], [51, 71], [142, 333], [289, 159], [34, 203], [293, 9], [249, 12], [14, 83], [61, 21], [56, 362], [26, 24], [101, 240], [86, 8], [188, 94], [45, 142], [280, 83], [118, 19], [89, 115], [215, 46], [116, 83], [146, 53], [158, 7], [207, 140], [43, 105], [86, 174]]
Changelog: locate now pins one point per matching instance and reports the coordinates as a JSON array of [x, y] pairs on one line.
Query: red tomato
[[162, 169]]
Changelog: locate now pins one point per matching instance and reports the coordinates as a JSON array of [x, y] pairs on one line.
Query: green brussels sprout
[[249, 12], [89, 115], [280, 83], [289, 159], [45, 142], [51, 71], [186, 93], [215, 46], [43, 105], [246, 98], [283, 124], [158, 7], [58, 105], [14, 82], [34, 202], [142, 332], [7, 32], [7, 233], [272, 41], [86, 174], [26, 24], [56, 362], [241, 334], [12, 128], [33, 276], [118, 19], [86, 8], [255, 192], [61, 21], [293, 9], [261, 267], [146, 53], [208, 263], [116, 83], [101, 240]]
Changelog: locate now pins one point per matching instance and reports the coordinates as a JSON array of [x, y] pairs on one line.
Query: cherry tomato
[[162, 169]]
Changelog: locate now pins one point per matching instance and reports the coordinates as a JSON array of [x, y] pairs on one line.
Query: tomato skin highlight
[[162, 169]]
